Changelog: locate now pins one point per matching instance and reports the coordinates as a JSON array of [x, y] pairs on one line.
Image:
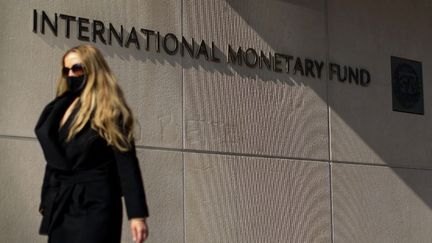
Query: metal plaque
[[407, 85]]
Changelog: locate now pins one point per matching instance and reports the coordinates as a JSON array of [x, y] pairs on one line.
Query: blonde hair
[[102, 100]]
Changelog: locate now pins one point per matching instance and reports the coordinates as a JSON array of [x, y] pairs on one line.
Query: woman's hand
[[139, 230]]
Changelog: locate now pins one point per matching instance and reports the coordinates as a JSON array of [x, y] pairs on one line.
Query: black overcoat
[[84, 180]]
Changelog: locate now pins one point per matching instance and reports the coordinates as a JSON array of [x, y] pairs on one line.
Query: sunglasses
[[76, 68]]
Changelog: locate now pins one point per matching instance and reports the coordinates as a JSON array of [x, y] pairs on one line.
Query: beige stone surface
[[381, 204], [162, 173], [21, 173], [151, 81], [184, 104], [233, 108], [363, 126], [26, 70], [245, 199]]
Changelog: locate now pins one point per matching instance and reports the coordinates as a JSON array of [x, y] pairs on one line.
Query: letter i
[[34, 21], [158, 41]]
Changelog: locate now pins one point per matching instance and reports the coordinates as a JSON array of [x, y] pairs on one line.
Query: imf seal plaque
[[407, 85]]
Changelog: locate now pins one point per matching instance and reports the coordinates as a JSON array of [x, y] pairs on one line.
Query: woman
[[86, 134]]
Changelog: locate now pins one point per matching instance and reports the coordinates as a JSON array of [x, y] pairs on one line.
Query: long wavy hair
[[102, 101]]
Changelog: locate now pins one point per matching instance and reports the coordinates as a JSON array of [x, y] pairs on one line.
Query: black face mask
[[76, 84]]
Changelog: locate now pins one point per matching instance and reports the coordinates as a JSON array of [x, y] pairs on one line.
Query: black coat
[[84, 180]]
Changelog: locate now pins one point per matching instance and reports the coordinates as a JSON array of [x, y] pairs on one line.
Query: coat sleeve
[[131, 183]]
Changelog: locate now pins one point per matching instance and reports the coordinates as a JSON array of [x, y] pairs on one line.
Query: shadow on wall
[[266, 32], [418, 184]]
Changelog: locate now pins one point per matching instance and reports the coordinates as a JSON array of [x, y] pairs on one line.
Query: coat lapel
[[47, 128]]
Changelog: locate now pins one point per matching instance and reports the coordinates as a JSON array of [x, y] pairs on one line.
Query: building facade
[[258, 121]]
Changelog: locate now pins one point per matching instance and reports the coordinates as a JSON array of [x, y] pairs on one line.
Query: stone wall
[[229, 152]]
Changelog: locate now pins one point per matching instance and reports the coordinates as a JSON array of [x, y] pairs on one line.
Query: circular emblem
[[408, 86]]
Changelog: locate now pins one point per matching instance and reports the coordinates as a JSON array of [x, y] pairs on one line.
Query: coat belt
[[66, 186]]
